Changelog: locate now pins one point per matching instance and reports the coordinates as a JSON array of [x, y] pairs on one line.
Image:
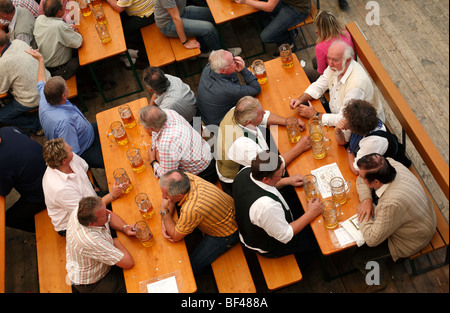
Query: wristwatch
[[317, 114], [163, 212]]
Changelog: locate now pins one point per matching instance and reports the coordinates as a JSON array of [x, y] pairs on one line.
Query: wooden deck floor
[[412, 42]]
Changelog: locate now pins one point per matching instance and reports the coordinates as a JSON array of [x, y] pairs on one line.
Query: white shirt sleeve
[[331, 119], [269, 215], [371, 144]]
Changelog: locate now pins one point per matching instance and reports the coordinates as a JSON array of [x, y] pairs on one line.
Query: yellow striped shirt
[[207, 207], [139, 8]]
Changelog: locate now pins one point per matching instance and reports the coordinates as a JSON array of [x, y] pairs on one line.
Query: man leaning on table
[[176, 144], [240, 139], [94, 258], [203, 206], [396, 216], [345, 79], [66, 181], [267, 224]]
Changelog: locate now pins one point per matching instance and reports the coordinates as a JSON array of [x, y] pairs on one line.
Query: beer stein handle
[[349, 184], [325, 126], [111, 137], [338, 211], [327, 143]]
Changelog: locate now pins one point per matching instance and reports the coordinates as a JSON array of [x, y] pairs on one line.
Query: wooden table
[[283, 85], [164, 257], [227, 10], [93, 50]]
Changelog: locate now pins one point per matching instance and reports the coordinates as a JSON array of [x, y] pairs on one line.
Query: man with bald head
[[345, 79]]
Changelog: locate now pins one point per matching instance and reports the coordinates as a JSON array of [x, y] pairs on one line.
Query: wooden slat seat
[[72, 85], [231, 270], [157, 46], [3, 95], [418, 136], [180, 52], [280, 272], [51, 256], [309, 19]]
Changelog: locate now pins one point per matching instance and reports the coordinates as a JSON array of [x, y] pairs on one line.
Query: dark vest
[[245, 193]]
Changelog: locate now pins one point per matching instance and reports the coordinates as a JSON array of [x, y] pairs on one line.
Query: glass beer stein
[[144, 234], [84, 7], [260, 71], [339, 189], [121, 179], [103, 32], [144, 205], [330, 214], [311, 188], [315, 125], [287, 60], [136, 161], [293, 129], [99, 15], [319, 145], [119, 133], [127, 116]]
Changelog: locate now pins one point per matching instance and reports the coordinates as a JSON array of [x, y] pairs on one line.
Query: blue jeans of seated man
[[14, 114], [198, 22], [277, 22], [209, 249]]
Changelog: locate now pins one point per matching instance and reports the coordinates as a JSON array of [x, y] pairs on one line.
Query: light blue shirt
[[65, 121]]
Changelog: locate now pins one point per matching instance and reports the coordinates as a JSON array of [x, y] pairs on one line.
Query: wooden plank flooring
[[412, 43]]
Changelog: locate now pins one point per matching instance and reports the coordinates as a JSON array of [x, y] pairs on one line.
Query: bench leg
[[415, 271]]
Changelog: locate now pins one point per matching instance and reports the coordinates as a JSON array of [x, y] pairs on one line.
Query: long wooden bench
[[280, 272], [51, 256], [231, 270], [309, 20], [2, 243], [418, 136]]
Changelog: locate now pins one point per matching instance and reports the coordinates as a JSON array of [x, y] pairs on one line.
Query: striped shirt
[[139, 8], [207, 207], [90, 252], [180, 147]]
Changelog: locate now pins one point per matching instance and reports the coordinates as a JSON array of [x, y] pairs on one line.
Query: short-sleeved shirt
[[162, 16], [207, 207], [90, 251], [139, 8]]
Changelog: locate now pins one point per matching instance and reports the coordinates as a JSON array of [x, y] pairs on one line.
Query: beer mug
[[99, 14], [315, 125], [144, 234], [287, 61], [121, 178], [144, 205], [119, 133], [311, 188], [260, 71], [136, 161], [293, 129], [319, 145], [339, 189], [103, 32], [330, 214], [84, 7], [96, 3], [127, 116]]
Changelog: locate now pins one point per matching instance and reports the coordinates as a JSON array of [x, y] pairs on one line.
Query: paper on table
[[352, 227], [343, 236], [324, 174], [167, 285]]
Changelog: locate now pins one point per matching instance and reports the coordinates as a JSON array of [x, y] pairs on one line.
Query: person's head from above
[[248, 112], [7, 10], [174, 185], [56, 90], [152, 118], [92, 211], [376, 170], [339, 56], [361, 117], [222, 62], [56, 153], [267, 167], [327, 26], [53, 8], [155, 80]]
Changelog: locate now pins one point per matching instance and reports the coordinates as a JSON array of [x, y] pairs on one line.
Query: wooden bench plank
[[72, 85], [157, 46], [2, 243], [180, 52], [3, 95], [232, 273], [309, 19], [51, 256], [280, 272]]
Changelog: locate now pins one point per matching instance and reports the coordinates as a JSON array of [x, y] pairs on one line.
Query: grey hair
[[216, 60], [246, 109], [176, 181], [152, 116]]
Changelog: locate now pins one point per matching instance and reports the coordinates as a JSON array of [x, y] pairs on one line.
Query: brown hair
[[53, 152], [328, 26], [54, 89], [361, 116], [87, 208], [265, 164]]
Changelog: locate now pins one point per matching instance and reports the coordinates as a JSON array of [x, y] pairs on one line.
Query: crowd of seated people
[[256, 205]]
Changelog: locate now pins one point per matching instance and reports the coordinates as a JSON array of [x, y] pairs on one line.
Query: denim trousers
[[209, 249], [14, 114], [93, 155], [198, 22], [277, 22]]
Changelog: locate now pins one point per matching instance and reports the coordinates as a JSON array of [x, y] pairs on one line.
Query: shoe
[[276, 54], [126, 62], [235, 51], [204, 55], [343, 4], [294, 33], [133, 53]]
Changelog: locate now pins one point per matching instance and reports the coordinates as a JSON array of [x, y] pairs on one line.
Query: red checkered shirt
[[180, 147]]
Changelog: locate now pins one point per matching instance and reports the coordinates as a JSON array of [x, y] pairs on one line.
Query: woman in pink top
[[328, 30]]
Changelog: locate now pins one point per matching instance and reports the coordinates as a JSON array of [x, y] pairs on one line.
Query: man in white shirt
[[345, 79], [66, 181], [240, 139], [266, 223]]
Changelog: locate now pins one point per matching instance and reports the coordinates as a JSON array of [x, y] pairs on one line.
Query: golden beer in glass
[[319, 145], [144, 205], [260, 71], [127, 116], [121, 179], [119, 133], [144, 234], [310, 186], [287, 60], [293, 129], [330, 214], [136, 161], [339, 189]]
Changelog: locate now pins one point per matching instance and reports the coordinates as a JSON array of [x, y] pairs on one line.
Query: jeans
[[93, 155], [14, 114], [277, 22], [198, 22], [132, 29], [209, 249]]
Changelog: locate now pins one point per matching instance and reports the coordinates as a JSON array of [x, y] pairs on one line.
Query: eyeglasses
[[232, 62]]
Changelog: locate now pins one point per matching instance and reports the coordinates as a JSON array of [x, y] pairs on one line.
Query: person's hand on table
[[116, 190], [153, 154], [365, 210], [304, 144], [192, 44], [129, 231], [239, 1], [301, 124], [306, 111], [314, 207], [295, 180], [165, 234]]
